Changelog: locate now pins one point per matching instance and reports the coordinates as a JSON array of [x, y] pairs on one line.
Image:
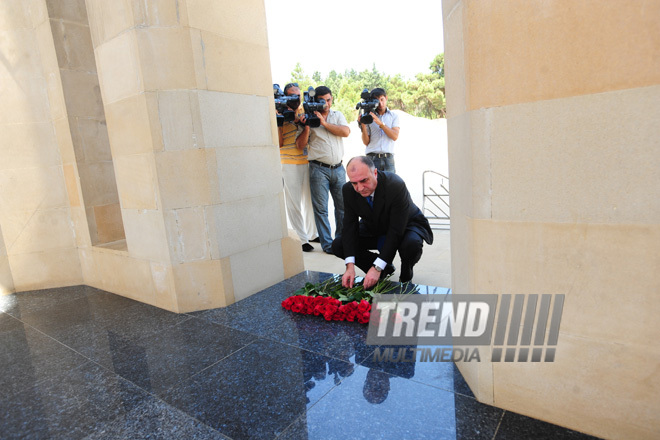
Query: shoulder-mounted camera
[[285, 105], [367, 105], [312, 104]]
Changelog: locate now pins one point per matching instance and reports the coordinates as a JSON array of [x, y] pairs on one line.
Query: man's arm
[[303, 138], [390, 132], [337, 130]]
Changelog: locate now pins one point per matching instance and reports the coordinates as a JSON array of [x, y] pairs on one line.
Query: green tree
[[438, 65], [333, 80], [427, 92], [396, 89], [370, 79], [298, 74]]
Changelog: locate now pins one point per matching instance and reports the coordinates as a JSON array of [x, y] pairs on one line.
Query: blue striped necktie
[[370, 201]]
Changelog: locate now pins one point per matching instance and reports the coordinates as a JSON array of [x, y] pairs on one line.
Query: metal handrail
[[435, 204]]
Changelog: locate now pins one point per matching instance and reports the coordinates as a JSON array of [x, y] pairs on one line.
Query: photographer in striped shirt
[[295, 173]]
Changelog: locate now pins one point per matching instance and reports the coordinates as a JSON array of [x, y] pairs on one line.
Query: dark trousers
[[410, 251], [384, 163]]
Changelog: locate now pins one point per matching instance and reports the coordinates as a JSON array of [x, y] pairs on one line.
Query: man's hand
[[321, 117], [348, 280], [376, 119], [371, 278]]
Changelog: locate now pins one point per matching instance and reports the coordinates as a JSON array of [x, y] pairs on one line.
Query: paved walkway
[[434, 269]]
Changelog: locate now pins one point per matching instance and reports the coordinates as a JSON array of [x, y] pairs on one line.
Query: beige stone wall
[[35, 213], [85, 123], [186, 93], [554, 165], [540, 50]]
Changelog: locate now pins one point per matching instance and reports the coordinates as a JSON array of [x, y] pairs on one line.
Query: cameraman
[[326, 172], [379, 136], [295, 173]]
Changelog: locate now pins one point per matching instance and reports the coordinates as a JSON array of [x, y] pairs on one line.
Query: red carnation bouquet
[[335, 302]]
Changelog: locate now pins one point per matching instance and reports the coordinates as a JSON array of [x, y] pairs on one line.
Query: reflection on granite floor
[[77, 362]]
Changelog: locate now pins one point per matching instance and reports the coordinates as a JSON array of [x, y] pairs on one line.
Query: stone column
[[188, 101], [553, 147], [37, 189]]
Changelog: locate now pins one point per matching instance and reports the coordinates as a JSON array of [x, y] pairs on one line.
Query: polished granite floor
[[80, 363]]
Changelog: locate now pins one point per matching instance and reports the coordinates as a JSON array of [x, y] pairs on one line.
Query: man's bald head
[[363, 175], [365, 160]]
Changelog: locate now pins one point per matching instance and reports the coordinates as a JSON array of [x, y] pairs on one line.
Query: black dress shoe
[[307, 247], [328, 251], [406, 274], [316, 240]]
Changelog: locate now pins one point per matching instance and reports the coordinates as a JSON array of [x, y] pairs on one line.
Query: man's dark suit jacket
[[393, 213]]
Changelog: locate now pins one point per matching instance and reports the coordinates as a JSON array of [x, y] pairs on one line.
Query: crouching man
[[379, 215]]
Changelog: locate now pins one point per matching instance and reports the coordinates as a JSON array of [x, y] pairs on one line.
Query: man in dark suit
[[378, 214]]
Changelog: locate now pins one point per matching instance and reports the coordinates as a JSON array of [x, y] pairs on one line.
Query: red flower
[[308, 305], [318, 304], [287, 303], [363, 318], [331, 308], [348, 311]]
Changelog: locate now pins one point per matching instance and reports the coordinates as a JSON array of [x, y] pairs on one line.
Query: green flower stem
[[332, 288]]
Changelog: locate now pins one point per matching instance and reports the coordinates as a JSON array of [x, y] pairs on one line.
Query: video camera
[[311, 104], [366, 106], [286, 105]]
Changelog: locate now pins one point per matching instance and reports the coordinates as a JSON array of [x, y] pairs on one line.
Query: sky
[[398, 36]]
